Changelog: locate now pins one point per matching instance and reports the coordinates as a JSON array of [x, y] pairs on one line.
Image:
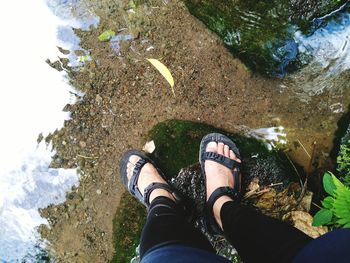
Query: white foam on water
[[32, 98], [330, 50], [329, 44]]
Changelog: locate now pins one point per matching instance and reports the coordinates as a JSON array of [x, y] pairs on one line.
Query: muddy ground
[[125, 96]]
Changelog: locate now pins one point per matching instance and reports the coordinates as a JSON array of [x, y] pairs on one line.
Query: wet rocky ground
[[125, 97]]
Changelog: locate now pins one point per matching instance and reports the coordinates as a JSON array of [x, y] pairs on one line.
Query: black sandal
[[131, 184], [235, 192]]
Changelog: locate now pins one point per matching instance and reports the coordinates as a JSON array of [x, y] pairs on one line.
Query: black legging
[[256, 237]]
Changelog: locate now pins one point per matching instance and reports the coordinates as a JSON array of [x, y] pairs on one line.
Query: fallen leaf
[[164, 71], [106, 35], [266, 201], [305, 203], [254, 185]]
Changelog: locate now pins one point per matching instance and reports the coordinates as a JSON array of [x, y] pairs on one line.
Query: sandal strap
[[132, 186], [221, 191], [229, 163], [221, 159], [149, 189]]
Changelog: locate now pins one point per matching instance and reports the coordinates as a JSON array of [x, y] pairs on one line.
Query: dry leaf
[[164, 71]]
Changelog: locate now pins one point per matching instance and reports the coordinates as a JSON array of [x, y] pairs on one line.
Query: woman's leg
[[259, 238], [331, 247], [166, 224], [256, 237]]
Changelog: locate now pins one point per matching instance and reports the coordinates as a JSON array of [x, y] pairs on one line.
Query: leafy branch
[[336, 206]]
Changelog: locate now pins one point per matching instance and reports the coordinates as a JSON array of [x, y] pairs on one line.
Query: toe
[[221, 148], [129, 167], [226, 151], [234, 157], [133, 159], [212, 147]]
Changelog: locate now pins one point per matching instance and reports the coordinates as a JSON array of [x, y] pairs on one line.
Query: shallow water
[[329, 48], [33, 96], [267, 35]]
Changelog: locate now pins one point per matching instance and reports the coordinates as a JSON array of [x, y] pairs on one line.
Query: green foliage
[[336, 207], [343, 161], [328, 184], [323, 217]]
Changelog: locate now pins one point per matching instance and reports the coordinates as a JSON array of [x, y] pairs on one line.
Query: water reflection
[[330, 51], [76, 13], [33, 96], [273, 37], [24, 190]]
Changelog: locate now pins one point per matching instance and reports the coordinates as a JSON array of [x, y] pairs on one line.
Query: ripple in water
[[329, 49]]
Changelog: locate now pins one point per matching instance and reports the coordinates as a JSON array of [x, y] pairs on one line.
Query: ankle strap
[[149, 189]]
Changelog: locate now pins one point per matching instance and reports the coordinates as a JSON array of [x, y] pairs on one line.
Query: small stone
[[149, 147], [98, 99], [98, 191], [82, 144]]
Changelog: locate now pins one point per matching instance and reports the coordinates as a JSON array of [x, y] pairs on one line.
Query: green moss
[[177, 146], [252, 30], [127, 226]]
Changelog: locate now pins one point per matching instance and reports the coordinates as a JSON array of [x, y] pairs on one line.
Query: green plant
[[336, 206], [343, 161]]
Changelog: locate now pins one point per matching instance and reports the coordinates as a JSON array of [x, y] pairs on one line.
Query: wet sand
[[125, 96]]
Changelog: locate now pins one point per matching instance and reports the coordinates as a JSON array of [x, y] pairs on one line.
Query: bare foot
[[218, 175], [148, 175]]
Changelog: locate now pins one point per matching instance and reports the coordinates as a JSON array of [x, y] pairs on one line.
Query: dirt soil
[[125, 96]]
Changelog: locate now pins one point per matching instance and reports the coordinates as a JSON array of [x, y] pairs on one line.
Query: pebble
[[98, 99], [82, 144], [98, 191]]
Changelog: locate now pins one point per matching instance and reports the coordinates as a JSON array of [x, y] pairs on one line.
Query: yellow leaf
[[164, 71]]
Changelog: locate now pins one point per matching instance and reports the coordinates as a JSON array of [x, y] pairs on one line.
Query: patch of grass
[[127, 226]]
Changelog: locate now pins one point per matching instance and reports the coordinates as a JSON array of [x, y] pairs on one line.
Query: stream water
[[31, 103], [329, 48], [34, 94]]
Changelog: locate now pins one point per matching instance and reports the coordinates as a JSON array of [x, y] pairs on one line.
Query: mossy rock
[[176, 147], [261, 33], [127, 226]]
